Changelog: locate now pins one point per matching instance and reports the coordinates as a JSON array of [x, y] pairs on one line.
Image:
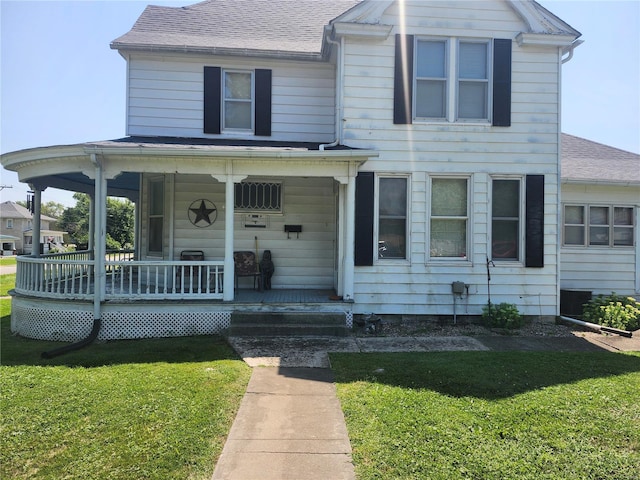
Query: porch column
[[92, 219], [35, 227], [100, 235], [349, 245], [228, 293]]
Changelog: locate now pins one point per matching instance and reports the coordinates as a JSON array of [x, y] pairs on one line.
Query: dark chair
[[190, 273], [246, 265]]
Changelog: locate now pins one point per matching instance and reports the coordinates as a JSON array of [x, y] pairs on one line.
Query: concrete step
[[287, 324]]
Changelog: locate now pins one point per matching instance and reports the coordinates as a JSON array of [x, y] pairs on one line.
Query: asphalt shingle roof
[[584, 160], [294, 26], [11, 209]]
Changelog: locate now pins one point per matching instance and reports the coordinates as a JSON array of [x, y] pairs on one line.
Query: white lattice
[[48, 324], [349, 318]]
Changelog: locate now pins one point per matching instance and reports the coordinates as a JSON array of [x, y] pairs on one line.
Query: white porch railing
[[72, 276]]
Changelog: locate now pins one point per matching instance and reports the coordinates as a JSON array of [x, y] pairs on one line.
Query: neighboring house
[[17, 222], [600, 251], [386, 152]]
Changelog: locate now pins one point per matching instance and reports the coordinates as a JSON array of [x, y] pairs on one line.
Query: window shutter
[[403, 80], [363, 254], [501, 82], [212, 99], [263, 102], [534, 221]]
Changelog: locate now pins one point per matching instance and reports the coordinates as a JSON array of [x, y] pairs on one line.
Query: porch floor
[[284, 296]]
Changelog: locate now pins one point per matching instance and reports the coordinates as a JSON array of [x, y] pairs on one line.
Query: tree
[[120, 221], [50, 209]]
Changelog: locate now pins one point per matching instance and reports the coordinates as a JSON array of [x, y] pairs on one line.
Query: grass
[[8, 260], [144, 409], [485, 415]]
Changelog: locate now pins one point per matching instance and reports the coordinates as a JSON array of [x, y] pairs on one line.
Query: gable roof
[[246, 27], [584, 161], [11, 209], [287, 28]]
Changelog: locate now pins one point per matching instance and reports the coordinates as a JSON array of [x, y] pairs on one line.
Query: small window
[[156, 216], [449, 218], [238, 100], [263, 197], [505, 219], [9, 223], [598, 225], [392, 217], [574, 225], [623, 226]]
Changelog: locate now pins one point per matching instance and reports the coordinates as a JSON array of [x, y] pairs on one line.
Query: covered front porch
[[186, 197]]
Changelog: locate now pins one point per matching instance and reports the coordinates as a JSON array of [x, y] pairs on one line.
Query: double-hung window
[[238, 100], [598, 225], [506, 207], [449, 218], [452, 80], [392, 217]]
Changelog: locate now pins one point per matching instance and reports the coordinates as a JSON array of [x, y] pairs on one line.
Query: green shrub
[[613, 311], [504, 315]]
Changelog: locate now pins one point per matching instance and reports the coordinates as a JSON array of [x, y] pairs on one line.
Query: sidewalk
[[290, 425]]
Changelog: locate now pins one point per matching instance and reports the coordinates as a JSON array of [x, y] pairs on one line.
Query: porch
[[54, 298]]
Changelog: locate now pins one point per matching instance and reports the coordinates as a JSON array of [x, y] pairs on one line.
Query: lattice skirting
[[70, 322]]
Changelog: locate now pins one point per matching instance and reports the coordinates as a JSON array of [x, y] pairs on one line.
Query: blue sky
[[60, 83]]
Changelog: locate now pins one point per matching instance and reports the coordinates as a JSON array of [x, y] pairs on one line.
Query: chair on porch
[[189, 273], [246, 265]]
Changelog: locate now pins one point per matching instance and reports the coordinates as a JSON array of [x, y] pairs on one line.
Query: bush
[[504, 315], [613, 311]]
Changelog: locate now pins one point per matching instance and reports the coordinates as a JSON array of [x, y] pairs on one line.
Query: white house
[[384, 152], [599, 250], [17, 222]]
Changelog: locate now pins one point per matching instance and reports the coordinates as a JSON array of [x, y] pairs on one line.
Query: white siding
[[165, 97], [304, 262], [601, 269], [529, 146]]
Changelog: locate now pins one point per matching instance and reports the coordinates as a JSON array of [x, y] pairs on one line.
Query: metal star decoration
[[204, 214]]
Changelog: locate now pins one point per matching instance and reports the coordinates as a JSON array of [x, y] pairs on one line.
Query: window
[[598, 225], [392, 217], [258, 196], [238, 100], [505, 219], [449, 218], [156, 216], [434, 97], [9, 223], [455, 80]]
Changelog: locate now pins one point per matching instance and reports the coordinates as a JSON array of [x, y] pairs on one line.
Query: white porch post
[[35, 227], [100, 235], [228, 293], [349, 244], [92, 219]]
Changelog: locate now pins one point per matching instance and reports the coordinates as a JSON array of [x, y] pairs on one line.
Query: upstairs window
[[9, 223], [238, 100], [452, 80]]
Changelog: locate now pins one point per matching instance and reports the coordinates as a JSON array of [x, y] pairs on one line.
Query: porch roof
[[72, 167]]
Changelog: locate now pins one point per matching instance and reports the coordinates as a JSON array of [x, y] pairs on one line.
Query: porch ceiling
[[71, 168]]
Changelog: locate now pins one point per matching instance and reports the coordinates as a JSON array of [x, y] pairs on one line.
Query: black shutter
[[534, 221], [212, 98], [501, 82], [403, 80], [363, 254], [263, 103]]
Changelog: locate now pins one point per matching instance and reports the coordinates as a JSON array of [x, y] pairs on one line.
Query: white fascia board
[[545, 39], [362, 30]]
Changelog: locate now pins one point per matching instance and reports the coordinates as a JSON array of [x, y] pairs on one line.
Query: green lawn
[[8, 260], [145, 409], [489, 415]]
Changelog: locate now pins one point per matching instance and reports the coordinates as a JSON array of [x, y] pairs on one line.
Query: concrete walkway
[[290, 424], [289, 427]]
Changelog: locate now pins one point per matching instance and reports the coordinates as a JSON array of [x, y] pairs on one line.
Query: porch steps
[[260, 324]]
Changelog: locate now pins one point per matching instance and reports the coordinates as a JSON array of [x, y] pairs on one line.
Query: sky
[[60, 82]]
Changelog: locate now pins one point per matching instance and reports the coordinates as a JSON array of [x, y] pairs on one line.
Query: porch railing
[[72, 276]]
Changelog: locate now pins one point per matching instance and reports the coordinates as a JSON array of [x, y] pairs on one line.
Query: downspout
[[98, 265], [339, 86]]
